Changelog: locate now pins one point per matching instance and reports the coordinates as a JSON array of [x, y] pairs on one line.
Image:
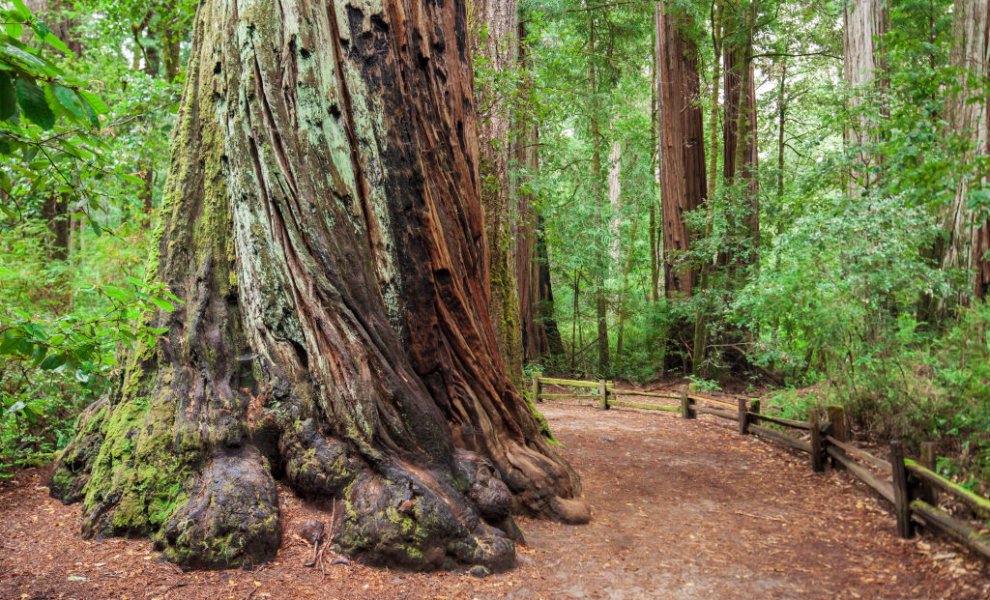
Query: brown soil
[[682, 509]]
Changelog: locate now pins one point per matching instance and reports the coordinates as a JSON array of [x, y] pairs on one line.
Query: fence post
[[743, 417], [840, 427], [687, 411], [902, 493], [928, 492], [536, 387], [603, 394], [817, 442]]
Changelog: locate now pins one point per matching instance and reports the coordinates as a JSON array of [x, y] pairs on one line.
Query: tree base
[[222, 511]]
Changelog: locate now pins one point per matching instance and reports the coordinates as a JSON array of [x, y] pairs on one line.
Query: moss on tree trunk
[[322, 224]]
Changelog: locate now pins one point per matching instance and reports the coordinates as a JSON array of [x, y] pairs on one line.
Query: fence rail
[[911, 486]]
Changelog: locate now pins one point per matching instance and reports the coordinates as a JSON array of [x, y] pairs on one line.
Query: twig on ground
[[764, 517], [174, 586]]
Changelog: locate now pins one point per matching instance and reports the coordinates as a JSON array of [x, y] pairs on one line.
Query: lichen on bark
[[324, 230]]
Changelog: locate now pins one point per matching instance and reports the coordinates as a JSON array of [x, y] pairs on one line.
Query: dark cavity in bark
[[323, 227]]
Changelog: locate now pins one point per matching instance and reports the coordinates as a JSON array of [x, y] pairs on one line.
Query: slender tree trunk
[[717, 26], [322, 224], [545, 306], [965, 239], [495, 34], [682, 170], [655, 259], [575, 317], [56, 213], [598, 177], [624, 294], [540, 334], [781, 122], [615, 201]]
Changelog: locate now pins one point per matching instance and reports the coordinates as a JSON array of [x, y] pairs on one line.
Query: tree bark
[[55, 212], [965, 239], [599, 198], [495, 39], [739, 139], [682, 168], [322, 224], [865, 23], [540, 334]]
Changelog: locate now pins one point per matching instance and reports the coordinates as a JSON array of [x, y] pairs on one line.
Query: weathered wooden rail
[[912, 487]]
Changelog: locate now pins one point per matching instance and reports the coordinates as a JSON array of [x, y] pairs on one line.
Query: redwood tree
[[322, 225], [739, 137], [966, 239], [865, 24], [682, 146], [540, 335], [495, 28]]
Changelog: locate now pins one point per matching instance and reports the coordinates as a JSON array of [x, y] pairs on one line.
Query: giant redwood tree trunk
[[322, 225], [966, 240], [682, 166], [865, 24], [494, 32]]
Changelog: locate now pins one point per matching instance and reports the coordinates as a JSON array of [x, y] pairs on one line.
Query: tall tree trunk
[[865, 23], [781, 122], [964, 238], [682, 169], [655, 259], [55, 212], [739, 139], [544, 296], [495, 39], [599, 198], [615, 201], [540, 334], [322, 224]]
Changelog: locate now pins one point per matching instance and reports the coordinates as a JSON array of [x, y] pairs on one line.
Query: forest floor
[[681, 509]]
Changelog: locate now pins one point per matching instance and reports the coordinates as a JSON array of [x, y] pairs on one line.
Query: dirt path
[[681, 510]]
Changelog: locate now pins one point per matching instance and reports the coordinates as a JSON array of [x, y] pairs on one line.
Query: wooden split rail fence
[[912, 487]]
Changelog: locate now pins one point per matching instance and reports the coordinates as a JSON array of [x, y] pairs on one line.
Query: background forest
[[777, 196]]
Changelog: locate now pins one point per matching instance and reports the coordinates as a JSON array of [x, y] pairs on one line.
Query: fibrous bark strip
[[322, 224]]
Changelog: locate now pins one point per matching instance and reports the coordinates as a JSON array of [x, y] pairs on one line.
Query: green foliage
[[54, 362], [35, 87], [84, 142]]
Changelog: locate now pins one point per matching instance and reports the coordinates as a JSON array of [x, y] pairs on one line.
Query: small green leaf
[[94, 102], [52, 362], [119, 294], [58, 44], [32, 101], [71, 101], [15, 30], [162, 303], [22, 10]]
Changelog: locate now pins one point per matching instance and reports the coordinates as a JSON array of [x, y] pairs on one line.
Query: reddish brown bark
[[540, 335], [682, 148], [496, 45], [323, 225], [739, 134]]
